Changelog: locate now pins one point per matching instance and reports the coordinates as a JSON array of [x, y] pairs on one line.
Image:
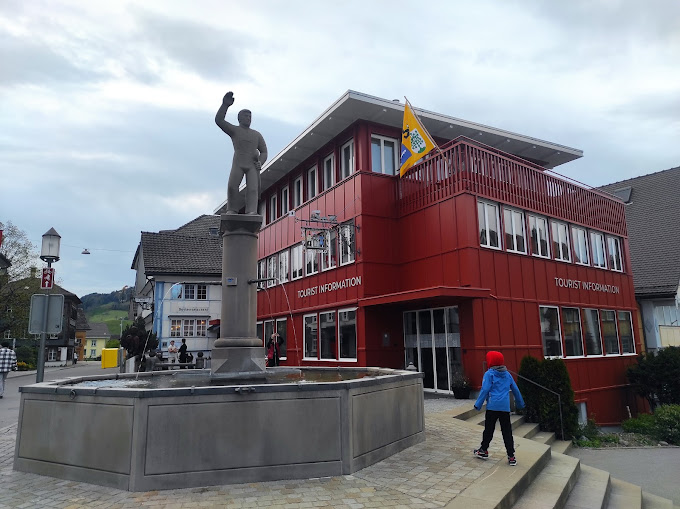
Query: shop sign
[[330, 287], [193, 310], [577, 284]]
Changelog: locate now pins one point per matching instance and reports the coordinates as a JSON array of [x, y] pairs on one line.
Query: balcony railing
[[465, 166]]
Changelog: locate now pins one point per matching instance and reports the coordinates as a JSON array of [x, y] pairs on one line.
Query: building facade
[[95, 340], [479, 247]]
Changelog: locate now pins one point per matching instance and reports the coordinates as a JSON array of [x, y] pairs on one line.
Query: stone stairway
[[545, 477]]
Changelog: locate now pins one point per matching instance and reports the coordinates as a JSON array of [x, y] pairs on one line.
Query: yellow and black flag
[[416, 142]]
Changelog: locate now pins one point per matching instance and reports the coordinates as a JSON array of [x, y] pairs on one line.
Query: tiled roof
[[98, 330], [199, 227], [653, 220], [171, 253], [81, 321]]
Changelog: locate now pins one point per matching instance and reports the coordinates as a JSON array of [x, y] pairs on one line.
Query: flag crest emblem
[[416, 141]]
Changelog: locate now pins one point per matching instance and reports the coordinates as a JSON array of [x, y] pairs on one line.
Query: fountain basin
[[141, 439]]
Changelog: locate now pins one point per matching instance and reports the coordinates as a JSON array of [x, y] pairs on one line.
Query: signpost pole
[[43, 335], [49, 253]]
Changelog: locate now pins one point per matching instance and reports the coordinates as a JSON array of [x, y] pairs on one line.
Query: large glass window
[[347, 319], [538, 230], [201, 327], [329, 259], [311, 261], [347, 159], [201, 292], [597, 245], [614, 248], [329, 172], [282, 331], [609, 333], [514, 230], [296, 261], [272, 267], [560, 241], [571, 325], [487, 214], [175, 328], [188, 327], [297, 192], [550, 331], [312, 185], [283, 266], [591, 332], [327, 326], [347, 243], [626, 332], [273, 208], [261, 273], [285, 201], [580, 242], [383, 155], [310, 336]]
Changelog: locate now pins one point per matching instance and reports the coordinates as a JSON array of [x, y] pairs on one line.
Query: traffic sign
[[55, 313], [47, 280]]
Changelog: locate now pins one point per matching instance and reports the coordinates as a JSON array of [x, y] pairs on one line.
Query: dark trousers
[[506, 428]]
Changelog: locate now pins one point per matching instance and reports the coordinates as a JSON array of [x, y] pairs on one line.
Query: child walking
[[496, 385]]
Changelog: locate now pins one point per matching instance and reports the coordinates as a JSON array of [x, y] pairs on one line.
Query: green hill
[[110, 316]]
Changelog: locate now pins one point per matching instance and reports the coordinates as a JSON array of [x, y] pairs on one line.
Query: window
[[538, 229], [328, 335], [310, 336], [329, 259], [283, 266], [261, 273], [626, 332], [597, 245], [312, 188], [560, 241], [571, 325], [188, 327], [580, 241], [189, 292], [347, 243], [52, 354], [285, 201], [329, 172], [383, 155], [487, 215], [347, 159], [272, 266], [297, 192], [258, 331], [273, 208], [201, 327], [550, 331], [201, 292], [614, 248], [175, 328], [93, 353], [609, 334], [591, 332], [514, 231], [262, 210], [311, 261], [347, 320], [296, 262], [282, 331], [192, 292]]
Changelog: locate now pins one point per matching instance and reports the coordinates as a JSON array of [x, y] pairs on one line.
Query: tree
[[112, 343], [19, 250], [656, 377], [137, 340]]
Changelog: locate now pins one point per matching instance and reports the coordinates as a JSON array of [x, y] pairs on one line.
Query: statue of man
[[250, 152]]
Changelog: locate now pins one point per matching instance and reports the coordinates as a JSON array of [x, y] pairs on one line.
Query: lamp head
[[50, 246]]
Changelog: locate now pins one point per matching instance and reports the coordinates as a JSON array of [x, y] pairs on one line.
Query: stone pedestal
[[238, 348]]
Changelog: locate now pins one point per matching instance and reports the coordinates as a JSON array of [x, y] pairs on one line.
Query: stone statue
[[250, 152]]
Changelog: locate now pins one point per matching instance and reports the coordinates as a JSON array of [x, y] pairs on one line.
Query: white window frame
[[564, 339], [356, 335], [312, 183], [336, 336], [276, 329], [201, 292], [297, 192], [513, 213], [536, 220], [261, 272], [285, 200], [297, 256], [486, 205], [175, 327], [273, 207], [93, 353], [201, 327], [579, 234], [188, 327], [562, 228], [326, 259], [559, 332], [344, 170], [632, 331], [329, 182], [272, 270], [284, 266], [598, 249], [313, 256], [345, 248], [304, 337], [599, 337], [616, 328], [615, 243], [52, 354], [382, 140], [262, 210]]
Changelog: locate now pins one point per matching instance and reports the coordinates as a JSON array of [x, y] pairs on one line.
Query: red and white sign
[[47, 279]]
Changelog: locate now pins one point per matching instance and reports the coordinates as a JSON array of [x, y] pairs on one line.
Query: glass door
[[425, 344], [441, 364]]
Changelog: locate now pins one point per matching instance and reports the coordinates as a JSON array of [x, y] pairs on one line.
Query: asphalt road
[[9, 404]]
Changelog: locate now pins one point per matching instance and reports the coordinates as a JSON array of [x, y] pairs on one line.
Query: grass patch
[[111, 317]]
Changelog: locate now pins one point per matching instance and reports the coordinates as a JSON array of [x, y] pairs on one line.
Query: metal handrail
[[559, 398]]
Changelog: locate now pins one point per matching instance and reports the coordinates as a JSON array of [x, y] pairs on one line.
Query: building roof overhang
[[353, 106], [436, 293]]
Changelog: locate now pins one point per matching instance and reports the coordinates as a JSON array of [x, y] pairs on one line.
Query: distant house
[[177, 286], [653, 219], [82, 326], [97, 337]]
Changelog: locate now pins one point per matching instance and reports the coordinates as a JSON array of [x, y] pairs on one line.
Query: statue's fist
[[228, 98]]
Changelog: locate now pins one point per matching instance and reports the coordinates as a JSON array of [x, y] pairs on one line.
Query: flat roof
[[353, 106]]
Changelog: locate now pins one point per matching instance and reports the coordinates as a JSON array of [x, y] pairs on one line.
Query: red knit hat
[[494, 358]]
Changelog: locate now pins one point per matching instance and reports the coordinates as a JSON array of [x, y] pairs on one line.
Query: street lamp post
[[50, 254]]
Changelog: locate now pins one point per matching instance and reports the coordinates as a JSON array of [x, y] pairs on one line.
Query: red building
[[478, 247]]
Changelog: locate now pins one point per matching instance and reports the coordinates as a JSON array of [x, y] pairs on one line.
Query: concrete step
[[591, 491], [561, 446], [544, 437], [526, 430], [650, 501], [624, 495], [515, 420], [553, 485]]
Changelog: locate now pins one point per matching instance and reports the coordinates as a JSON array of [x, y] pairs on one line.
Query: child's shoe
[[512, 461], [480, 453]]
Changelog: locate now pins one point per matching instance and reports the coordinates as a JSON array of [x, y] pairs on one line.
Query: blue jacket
[[496, 385]]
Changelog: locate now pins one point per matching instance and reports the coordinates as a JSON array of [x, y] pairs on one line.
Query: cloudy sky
[[107, 108]]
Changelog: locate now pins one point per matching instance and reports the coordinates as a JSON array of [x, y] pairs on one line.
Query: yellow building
[[96, 339]]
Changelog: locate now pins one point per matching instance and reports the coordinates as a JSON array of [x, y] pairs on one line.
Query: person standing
[[273, 349], [183, 352], [8, 362], [172, 351], [496, 386]]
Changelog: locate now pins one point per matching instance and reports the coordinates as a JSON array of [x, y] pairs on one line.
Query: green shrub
[[656, 376], [667, 423], [643, 424], [530, 368], [554, 375]]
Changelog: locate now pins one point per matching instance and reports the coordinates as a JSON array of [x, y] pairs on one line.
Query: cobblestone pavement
[[427, 475]]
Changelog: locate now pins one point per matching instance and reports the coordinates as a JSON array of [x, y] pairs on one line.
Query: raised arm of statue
[[227, 101]]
